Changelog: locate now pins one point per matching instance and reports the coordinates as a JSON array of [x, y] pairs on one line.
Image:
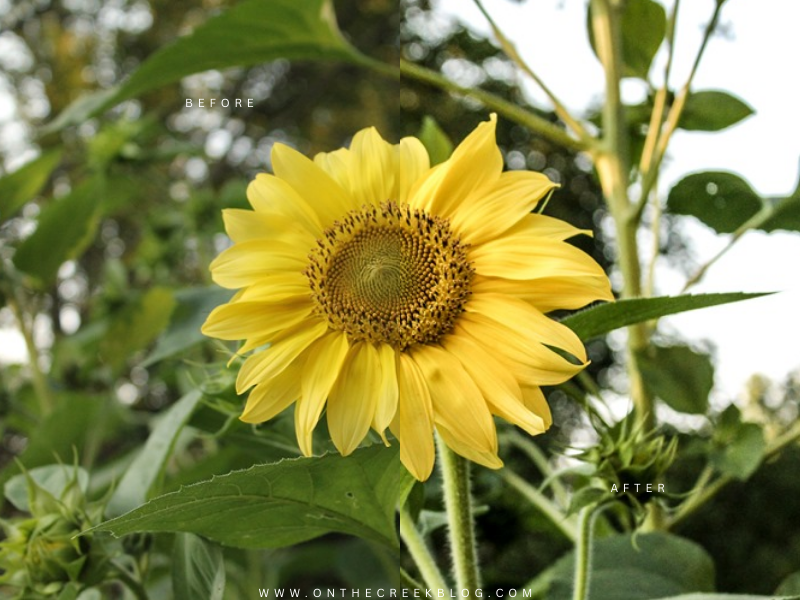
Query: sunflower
[[393, 295]]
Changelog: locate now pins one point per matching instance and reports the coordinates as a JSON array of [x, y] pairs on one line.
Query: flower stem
[[460, 520], [508, 109], [583, 553], [419, 552], [130, 582], [38, 378], [546, 506], [613, 171]]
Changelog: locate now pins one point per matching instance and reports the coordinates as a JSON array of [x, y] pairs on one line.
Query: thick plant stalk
[[460, 518]]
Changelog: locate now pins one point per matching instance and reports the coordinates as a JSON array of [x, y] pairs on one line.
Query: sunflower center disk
[[390, 274]]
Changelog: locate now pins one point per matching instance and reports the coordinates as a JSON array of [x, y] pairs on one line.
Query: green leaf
[[192, 306], [785, 214], [681, 377], [249, 33], [198, 570], [77, 417], [435, 140], [712, 111], [276, 505], [65, 229], [51, 478], [25, 183], [790, 585], [643, 27], [649, 565], [723, 201], [738, 446], [146, 469], [599, 320], [136, 325]]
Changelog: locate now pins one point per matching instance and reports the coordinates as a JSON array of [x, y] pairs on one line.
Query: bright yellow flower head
[[402, 297]]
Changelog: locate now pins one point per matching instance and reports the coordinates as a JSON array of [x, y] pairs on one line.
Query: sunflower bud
[[629, 461], [46, 551]]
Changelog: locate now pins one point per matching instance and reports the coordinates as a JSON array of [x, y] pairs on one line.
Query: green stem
[[543, 503], [583, 553], [38, 378], [511, 51], [704, 493], [539, 458], [613, 170], [420, 553], [460, 519], [131, 582], [508, 109]]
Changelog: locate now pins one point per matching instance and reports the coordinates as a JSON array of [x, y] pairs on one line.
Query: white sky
[[756, 61]]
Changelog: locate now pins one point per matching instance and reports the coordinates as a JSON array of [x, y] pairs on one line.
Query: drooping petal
[[314, 185], [485, 216], [529, 361], [247, 263], [536, 258], [535, 401], [321, 369], [549, 293], [496, 383], [388, 394], [352, 401], [473, 168], [519, 315], [458, 404], [272, 397], [413, 422], [287, 347], [488, 459], [241, 320]]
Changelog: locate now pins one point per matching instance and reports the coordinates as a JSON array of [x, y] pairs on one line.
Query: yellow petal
[[337, 165], [245, 225], [535, 258], [519, 315], [246, 263], [352, 401], [542, 226], [534, 400], [322, 367], [530, 362], [413, 422], [456, 444], [412, 163], [496, 383], [287, 347], [458, 404], [272, 397], [270, 194], [373, 167], [326, 197], [549, 293], [475, 165], [241, 320], [276, 286], [484, 216], [387, 396]]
